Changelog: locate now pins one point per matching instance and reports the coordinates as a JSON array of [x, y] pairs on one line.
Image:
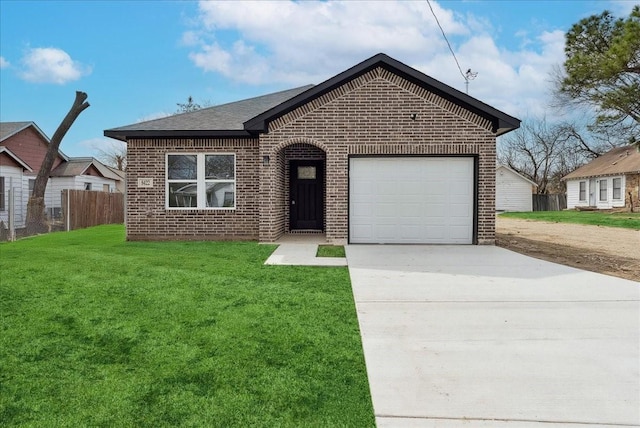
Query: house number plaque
[[145, 182]]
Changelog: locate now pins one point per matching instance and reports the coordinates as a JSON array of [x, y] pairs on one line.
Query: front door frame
[[295, 223]]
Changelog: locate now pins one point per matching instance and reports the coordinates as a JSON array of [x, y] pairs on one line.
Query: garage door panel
[[411, 200]]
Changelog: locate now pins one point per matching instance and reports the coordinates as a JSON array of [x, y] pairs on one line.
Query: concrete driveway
[[482, 336]]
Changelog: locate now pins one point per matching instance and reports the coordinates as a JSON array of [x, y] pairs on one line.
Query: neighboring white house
[[611, 180], [22, 149], [513, 191]]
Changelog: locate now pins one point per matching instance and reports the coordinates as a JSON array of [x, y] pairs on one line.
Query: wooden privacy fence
[[555, 202], [85, 208]]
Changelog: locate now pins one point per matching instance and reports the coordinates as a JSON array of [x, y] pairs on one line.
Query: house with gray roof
[[611, 180], [379, 153], [23, 146]]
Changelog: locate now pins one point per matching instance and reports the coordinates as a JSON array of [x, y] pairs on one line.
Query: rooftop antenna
[[469, 75]]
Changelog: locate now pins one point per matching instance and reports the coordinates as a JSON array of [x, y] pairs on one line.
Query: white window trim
[[200, 181], [613, 189], [585, 191], [606, 190]]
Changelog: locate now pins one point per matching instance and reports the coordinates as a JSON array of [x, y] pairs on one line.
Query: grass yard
[[624, 220], [97, 331], [330, 251]]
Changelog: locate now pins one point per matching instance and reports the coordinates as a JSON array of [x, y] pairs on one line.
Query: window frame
[[582, 191], [3, 205], [619, 188], [201, 181], [602, 188]]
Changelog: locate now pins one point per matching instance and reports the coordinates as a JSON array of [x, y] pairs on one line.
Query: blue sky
[[137, 59]]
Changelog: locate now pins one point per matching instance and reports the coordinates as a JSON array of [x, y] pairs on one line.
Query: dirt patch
[[608, 250]]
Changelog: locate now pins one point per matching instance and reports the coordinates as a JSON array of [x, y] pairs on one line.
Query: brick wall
[[373, 114], [147, 217]]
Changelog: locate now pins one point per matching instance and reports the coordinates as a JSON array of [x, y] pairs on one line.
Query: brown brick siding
[[370, 115], [373, 115], [147, 217]]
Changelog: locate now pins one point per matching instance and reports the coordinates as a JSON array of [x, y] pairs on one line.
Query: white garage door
[[411, 200]]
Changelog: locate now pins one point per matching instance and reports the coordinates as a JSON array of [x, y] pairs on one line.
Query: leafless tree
[[35, 207], [541, 152], [113, 153]]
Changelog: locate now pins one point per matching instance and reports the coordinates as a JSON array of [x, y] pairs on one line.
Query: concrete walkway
[[300, 250], [479, 336]]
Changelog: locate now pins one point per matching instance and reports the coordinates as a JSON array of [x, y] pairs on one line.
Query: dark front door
[[306, 199]]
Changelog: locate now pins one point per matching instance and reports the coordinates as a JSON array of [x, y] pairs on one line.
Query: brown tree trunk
[[36, 220]]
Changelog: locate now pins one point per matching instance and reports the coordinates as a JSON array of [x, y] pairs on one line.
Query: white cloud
[[297, 43], [3, 63], [51, 65]]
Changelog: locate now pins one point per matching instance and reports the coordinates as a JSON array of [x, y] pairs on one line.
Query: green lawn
[[330, 251], [625, 220], [97, 331]]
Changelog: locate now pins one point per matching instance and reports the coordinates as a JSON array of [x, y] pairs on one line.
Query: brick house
[[380, 153]]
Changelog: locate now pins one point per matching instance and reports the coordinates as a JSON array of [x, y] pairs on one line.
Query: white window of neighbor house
[[603, 190], [617, 188], [583, 191], [203, 180]]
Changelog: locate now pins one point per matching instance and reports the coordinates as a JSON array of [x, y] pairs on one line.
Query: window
[[2, 205], [201, 181], [105, 187], [32, 184], [617, 188], [603, 190], [583, 191], [87, 186]]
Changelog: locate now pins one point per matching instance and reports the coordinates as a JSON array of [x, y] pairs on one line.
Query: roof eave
[[124, 135]]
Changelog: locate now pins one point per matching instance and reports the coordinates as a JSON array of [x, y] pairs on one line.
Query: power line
[[469, 75]]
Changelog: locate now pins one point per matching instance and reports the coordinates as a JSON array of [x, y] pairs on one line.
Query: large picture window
[[617, 188], [201, 181], [603, 190]]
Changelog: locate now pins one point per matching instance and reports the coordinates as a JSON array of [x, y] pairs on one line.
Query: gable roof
[[223, 120], [502, 122], [249, 117], [9, 129], [516, 173], [19, 161], [618, 161], [78, 166]]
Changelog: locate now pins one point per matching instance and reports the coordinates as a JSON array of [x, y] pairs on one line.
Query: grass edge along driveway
[[97, 331], [597, 218]]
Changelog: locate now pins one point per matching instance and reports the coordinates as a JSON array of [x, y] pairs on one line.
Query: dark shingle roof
[[226, 117], [252, 116], [621, 160]]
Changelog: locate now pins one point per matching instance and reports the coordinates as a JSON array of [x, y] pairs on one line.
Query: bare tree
[[35, 206], [541, 152], [113, 153]]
